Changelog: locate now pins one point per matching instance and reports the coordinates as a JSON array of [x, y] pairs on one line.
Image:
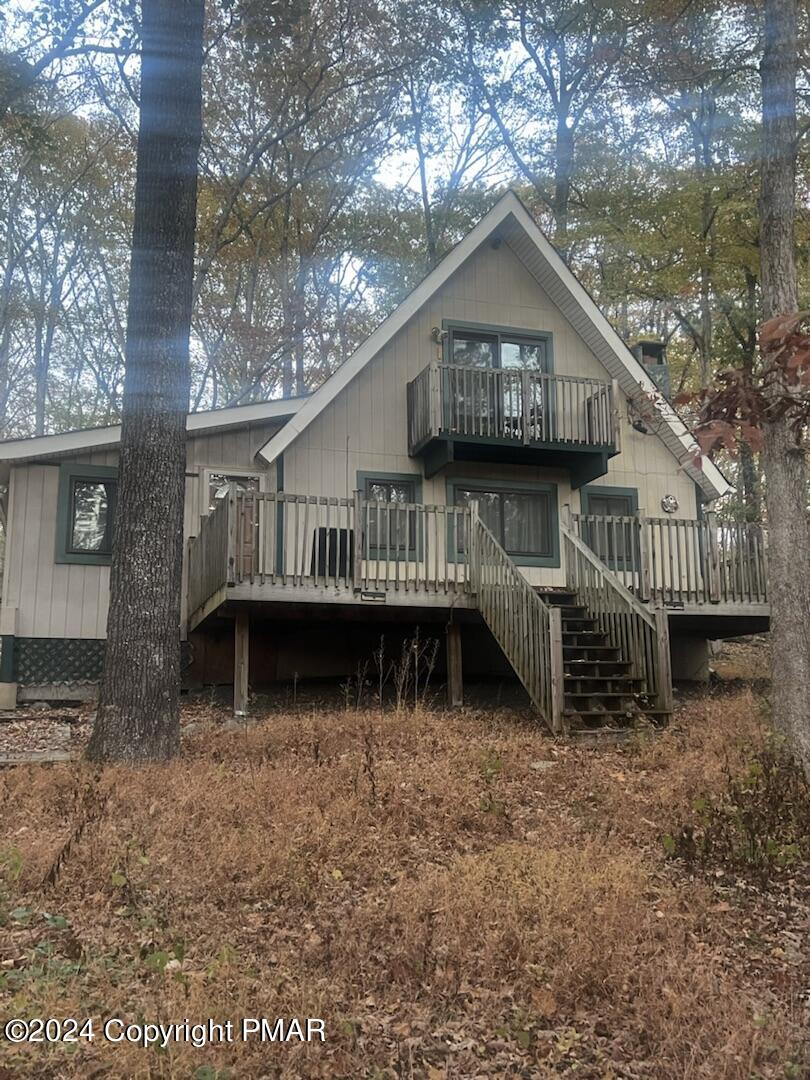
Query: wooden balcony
[[510, 415]]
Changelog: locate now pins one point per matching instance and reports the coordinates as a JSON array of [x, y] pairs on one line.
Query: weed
[[758, 824]]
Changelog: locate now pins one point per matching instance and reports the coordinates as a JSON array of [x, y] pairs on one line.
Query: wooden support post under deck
[[664, 665], [455, 685], [241, 648]]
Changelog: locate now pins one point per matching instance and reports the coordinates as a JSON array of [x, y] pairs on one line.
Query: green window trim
[[615, 562], [606, 490], [523, 487], [69, 473], [375, 552], [540, 402]]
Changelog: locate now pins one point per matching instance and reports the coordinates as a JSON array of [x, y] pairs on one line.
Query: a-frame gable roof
[[513, 224]]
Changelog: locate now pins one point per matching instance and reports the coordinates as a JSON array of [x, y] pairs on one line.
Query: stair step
[[586, 667], [598, 682], [561, 598], [579, 624], [610, 700], [572, 611], [584, 637], [573, 652], [601, 716]]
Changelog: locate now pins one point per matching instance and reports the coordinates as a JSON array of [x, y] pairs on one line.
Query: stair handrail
[[643, 610], [641, 633], [528, 631]]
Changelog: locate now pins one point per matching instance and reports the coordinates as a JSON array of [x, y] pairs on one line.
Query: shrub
[[759, 824]]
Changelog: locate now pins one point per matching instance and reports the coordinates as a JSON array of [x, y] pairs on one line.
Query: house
[[493, 464]]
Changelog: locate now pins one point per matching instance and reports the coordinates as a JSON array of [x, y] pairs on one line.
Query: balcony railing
[[512, 405]]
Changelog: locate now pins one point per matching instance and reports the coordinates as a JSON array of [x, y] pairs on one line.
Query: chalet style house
[[493, 464]]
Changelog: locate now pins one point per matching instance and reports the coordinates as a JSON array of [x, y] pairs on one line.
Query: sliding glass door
[[495, 399]]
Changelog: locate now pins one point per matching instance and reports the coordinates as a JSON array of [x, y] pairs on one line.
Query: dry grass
[[455, 894]]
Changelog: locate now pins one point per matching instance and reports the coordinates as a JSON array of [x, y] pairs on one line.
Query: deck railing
[[518, 405], [681, 560], [641, 635], [208, 557], [528, 630], [326, 542]]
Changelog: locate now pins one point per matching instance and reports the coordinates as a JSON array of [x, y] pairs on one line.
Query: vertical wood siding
[[65, 600], [364, 429]]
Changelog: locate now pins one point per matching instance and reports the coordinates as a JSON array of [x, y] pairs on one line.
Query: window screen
[[388, 529], [611, 540]]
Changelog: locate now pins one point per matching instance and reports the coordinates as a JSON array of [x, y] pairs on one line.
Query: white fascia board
[[71, 442], [66, 443]]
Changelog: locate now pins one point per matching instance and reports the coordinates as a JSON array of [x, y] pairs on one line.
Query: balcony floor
[[585, 462]]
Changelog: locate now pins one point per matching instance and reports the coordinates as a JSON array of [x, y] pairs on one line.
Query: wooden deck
[[698, 565], [629, 581], [285, 548]]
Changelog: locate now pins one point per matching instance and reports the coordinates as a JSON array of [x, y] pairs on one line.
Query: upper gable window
[[498, 347]]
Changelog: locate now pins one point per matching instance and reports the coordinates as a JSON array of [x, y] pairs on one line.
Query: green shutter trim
[[68, 472]]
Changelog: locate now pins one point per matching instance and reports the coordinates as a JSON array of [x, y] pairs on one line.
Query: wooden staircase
[[599, 688], [592, 656]]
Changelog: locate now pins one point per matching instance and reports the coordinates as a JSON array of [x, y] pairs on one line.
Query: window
[[611, 540], [500, 347], [220, 482], [386, 529], [86, 514], [495, 405], [523, 519]]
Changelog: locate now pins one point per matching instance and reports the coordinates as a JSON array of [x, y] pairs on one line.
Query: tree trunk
[[137, 717], [783, 458]]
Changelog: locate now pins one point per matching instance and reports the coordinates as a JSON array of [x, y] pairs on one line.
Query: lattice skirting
[[72, 661]]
